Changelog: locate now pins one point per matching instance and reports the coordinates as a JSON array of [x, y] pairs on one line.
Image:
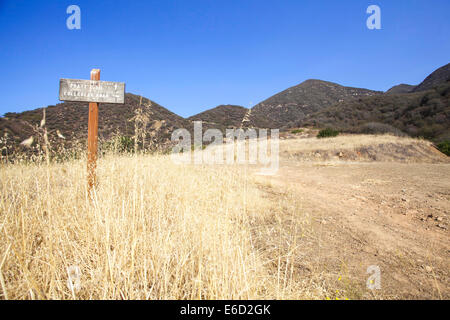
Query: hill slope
[[293, 104], [71, 119], [222, 117], [425, 114], [401, 88], [436, 78]]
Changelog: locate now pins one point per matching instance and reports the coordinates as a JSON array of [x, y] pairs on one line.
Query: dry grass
[[153, 230], [157, 230], [385, 148], [347, 142]]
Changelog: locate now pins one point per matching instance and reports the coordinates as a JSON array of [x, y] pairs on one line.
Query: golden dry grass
[[153, 230], [384, 148], [352, 141]]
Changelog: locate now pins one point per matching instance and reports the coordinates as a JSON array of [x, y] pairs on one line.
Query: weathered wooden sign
[[91, 91]]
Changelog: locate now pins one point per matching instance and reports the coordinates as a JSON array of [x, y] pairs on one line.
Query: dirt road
[[391, 215]]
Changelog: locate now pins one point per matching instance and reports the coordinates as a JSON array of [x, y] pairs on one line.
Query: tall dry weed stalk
[[141, 120]]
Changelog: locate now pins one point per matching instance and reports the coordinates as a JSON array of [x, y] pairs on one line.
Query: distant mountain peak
[[222, 117], [314, 81], [401, 88]]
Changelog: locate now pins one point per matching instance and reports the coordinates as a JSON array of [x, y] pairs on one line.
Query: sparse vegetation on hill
[[221, 117], [377, 128], [401, 88], [436, 78], [71, 120], [286, 108], [419, 114]]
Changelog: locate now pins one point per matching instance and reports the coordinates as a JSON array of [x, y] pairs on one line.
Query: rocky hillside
[[439, 76], [70, 119], [418, 114], [423, 111], [222, 117], [288, 107]]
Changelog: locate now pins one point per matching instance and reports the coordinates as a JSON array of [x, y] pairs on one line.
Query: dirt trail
[[393, 215]]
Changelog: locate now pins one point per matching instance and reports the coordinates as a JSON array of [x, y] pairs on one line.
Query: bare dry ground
[[390, 210]]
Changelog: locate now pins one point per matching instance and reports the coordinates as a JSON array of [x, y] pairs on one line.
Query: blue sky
[[190, 56]]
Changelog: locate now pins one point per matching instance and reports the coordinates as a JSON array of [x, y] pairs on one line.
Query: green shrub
[[297, 131], [126, 144], [444, 147], [328, 132], [120, 144]]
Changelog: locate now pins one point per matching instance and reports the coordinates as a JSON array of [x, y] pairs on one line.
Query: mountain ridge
[[401, 88], [71, 120], [418, 114], [412, 109], [288, 106], [222, 115]]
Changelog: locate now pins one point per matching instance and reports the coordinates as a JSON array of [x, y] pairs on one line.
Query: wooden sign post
[[92, 91], [92, 136]]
